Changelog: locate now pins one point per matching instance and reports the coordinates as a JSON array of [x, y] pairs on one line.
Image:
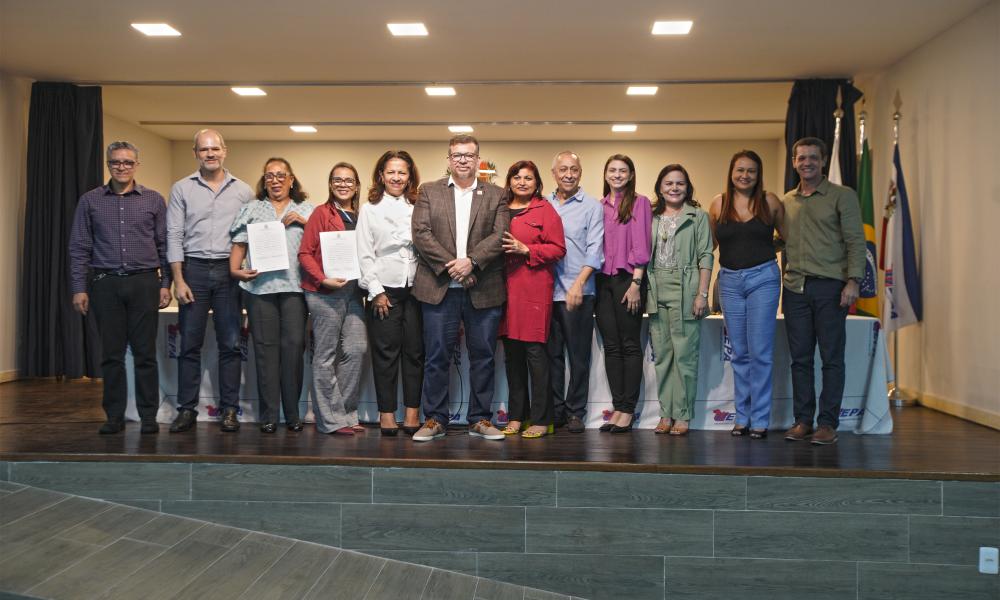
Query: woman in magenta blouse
[[627, 239]]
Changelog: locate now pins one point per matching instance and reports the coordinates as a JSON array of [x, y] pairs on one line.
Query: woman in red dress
[[533, 245]]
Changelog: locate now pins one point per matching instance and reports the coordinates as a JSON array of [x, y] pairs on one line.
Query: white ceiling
[[516, 65]]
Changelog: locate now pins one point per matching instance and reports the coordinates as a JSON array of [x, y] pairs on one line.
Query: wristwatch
[[637, 281], [703, 295]]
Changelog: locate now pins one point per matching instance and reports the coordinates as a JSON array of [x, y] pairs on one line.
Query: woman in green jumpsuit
[[679, 272]]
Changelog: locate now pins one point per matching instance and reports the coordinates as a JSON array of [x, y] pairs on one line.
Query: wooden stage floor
[[43, 420]]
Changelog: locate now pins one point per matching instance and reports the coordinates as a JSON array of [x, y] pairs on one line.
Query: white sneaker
[[485, 430], [431, 430]]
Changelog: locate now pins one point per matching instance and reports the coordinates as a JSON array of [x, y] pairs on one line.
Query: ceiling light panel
[[156, 29], [302, 128], [641, 90], [249, 91], [672, 27], [407, 29], [460, 128], [439, 90], [624, 128]]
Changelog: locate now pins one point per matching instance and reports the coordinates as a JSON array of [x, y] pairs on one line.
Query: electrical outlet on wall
[[988, 560]]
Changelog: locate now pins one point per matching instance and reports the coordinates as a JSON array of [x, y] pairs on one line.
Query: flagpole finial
[[898, 103]]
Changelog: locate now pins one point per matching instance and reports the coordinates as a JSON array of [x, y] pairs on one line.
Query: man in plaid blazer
[[458, 222]]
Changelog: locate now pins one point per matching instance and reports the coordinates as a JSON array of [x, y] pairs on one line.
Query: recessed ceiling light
[[302, 128], [641, 90], [672, 27], [624, 128], [156, 29], [249, 91], [406, 29], [460, 128], [439, 90]]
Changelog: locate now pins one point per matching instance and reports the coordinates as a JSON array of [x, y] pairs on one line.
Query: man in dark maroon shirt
[[118, 243]]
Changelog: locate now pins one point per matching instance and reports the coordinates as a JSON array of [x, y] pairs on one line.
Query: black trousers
[[278, 327], [816, 317], [570, 338], [127, 315], [397, 344], [522, 358], [620, 331]]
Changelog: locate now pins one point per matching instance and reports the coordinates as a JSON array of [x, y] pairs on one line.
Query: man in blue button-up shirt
[[202, 208], [573, 306], [118, 267]]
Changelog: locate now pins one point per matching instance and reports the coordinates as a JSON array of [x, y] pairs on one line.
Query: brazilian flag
[[867, 303]]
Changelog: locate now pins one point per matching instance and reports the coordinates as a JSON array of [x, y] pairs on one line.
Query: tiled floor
[[69, 547]]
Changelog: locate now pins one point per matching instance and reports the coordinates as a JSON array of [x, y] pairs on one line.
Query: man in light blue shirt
[[573, 307], [201, 210]]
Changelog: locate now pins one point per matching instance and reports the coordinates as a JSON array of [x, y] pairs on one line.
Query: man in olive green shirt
[[825, 253]]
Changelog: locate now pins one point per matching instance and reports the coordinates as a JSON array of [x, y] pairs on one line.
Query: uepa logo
[[723, 416], [851, 413]]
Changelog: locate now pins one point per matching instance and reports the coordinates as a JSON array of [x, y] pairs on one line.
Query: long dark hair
[[758, 198], [357, 182], [661, 202], [297, 194], [514, 169], [377, 189], [628, 196]]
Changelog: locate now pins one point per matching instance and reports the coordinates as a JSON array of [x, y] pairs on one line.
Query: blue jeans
[[213, 289], [813, 318], [749, 299], [441, 324]]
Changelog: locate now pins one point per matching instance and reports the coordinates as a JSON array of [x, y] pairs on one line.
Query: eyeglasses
[[342, 181], [463, 156], [122, 164], [275, 176]]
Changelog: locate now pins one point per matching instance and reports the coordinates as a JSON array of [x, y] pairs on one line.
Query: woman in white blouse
[[388, 263]]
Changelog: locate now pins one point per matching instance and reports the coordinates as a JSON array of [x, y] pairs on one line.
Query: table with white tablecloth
[[865, 406]]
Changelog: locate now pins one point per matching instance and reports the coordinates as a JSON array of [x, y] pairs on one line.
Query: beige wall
[[155, 153], [706, 161], [948, 136], [15, 94]]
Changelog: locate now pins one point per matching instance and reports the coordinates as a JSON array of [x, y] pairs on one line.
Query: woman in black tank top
[[743, 220]]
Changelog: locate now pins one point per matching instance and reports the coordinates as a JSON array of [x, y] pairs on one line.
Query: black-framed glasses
[[279, 176], [122, 164], [463, 156], [339, 181]]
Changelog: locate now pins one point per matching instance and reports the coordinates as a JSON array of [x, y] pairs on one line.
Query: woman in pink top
[[627, 239]]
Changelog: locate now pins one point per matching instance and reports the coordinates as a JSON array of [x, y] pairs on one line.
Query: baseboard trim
[[969, 413], [6, 376]]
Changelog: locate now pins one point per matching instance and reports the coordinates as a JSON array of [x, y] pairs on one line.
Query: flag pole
[[897, 397]]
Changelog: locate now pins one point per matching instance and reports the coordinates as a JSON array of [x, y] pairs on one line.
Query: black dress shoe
[[112, 426], [185, 420], [268, 427], [294, 426], [620, 429], [230, 420], [389, 431], [149, 427], [606, 427], [575, 425], [758, 434], [410, 431]]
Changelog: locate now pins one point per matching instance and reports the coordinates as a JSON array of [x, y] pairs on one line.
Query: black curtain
[[65, 159], [810, 114]]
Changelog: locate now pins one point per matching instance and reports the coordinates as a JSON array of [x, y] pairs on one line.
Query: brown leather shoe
[[798, 432], [824, 436], [230, 420]]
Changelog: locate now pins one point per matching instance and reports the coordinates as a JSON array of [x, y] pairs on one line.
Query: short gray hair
[[575, 156], [202, 132], [121, 145]]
